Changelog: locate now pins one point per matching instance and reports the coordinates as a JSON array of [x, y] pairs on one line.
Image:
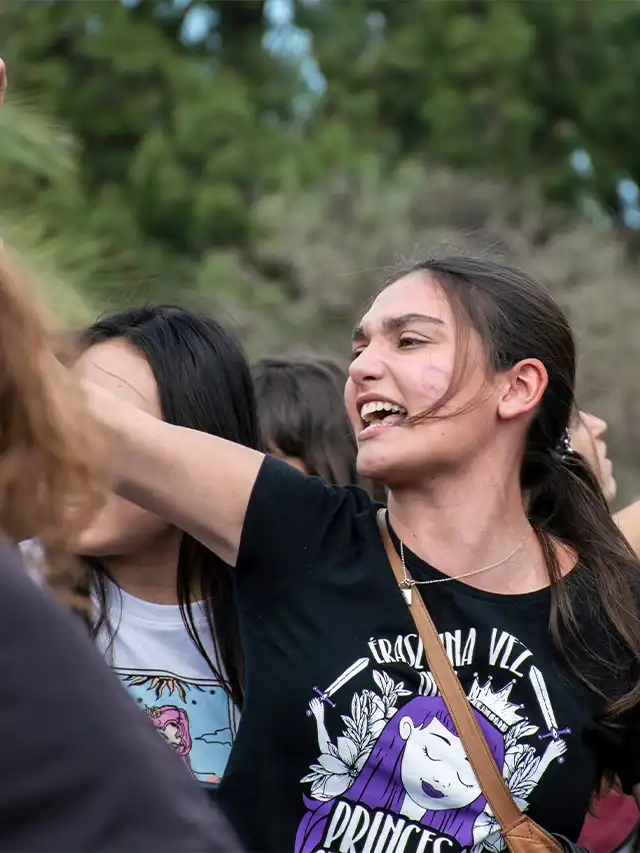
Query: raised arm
[[198, 482]]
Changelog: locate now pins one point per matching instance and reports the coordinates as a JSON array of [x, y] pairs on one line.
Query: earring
[[564, 447]]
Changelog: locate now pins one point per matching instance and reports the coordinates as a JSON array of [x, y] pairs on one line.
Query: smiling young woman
[[460, 393]]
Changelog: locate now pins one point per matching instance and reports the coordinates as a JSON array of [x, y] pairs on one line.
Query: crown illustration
[[495, 706]]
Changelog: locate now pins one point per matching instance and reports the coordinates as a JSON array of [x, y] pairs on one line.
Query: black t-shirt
[[344, 743], [82, 768]]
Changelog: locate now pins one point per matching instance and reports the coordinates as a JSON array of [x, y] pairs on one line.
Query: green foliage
[[137, 163], [176, 140], [504, 87]]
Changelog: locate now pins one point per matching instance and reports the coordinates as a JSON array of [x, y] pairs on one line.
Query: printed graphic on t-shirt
[[194, 716], [392, 774]]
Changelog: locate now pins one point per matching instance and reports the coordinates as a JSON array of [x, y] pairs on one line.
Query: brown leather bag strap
[[480, 757]]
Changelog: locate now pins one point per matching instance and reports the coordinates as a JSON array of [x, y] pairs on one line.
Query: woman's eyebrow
[[392, 324]]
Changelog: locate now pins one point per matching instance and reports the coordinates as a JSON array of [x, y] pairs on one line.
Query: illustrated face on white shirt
[[435, 771], [170, 680]]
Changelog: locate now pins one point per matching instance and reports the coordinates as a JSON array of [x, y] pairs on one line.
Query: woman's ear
[[524, 386]]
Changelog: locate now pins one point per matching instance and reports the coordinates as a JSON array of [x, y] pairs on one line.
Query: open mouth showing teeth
[[382, 413]]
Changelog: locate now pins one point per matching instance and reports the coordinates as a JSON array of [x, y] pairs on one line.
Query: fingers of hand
[[3, 79]]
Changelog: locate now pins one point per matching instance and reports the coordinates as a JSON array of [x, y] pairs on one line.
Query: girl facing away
[[303, 419], [165, 617], [460, 393]]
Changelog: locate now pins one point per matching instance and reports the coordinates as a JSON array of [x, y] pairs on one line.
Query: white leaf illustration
[[340, 764], [521, 730], [378, 677]]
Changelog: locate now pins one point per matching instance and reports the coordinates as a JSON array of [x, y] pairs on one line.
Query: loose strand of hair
[[200, 569]]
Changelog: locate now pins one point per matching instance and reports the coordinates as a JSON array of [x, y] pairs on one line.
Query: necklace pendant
[[407, 591]]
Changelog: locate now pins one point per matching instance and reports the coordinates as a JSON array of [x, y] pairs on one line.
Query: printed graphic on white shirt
[[392, 774], [194, 716]]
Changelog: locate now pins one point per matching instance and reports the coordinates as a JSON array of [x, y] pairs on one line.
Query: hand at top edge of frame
[[3, 80]]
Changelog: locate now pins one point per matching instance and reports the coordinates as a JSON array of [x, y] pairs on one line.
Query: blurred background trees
[[274, 159]]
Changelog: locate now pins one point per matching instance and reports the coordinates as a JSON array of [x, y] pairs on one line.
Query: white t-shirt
[[169, 679], [164, 673]]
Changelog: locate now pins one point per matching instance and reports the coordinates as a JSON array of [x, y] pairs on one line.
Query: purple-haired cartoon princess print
[[418, 770], [399, 779]]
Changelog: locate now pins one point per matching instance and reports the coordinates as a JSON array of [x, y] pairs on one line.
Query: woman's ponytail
[[567, 504]]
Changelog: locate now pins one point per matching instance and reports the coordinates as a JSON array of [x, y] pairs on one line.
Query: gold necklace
[[408, 582]]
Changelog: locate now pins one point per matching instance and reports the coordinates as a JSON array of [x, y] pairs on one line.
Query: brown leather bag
[[521, 834]]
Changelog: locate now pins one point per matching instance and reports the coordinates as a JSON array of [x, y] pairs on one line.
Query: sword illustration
[[347, 675], [542, 695]]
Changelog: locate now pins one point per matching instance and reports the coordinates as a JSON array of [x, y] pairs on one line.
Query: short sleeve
[[294, 522]]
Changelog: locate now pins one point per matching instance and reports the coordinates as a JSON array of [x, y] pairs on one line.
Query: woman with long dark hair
[[165, 614], [461, 393]]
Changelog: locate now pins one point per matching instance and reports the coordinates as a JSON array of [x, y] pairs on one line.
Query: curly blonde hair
[[50, 449]]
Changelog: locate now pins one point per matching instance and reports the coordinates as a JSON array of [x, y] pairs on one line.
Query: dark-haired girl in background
[[165, 617], [303, 418], [461, 393]]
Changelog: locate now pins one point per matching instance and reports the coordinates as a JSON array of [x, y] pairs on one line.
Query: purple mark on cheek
[[434, 381]]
